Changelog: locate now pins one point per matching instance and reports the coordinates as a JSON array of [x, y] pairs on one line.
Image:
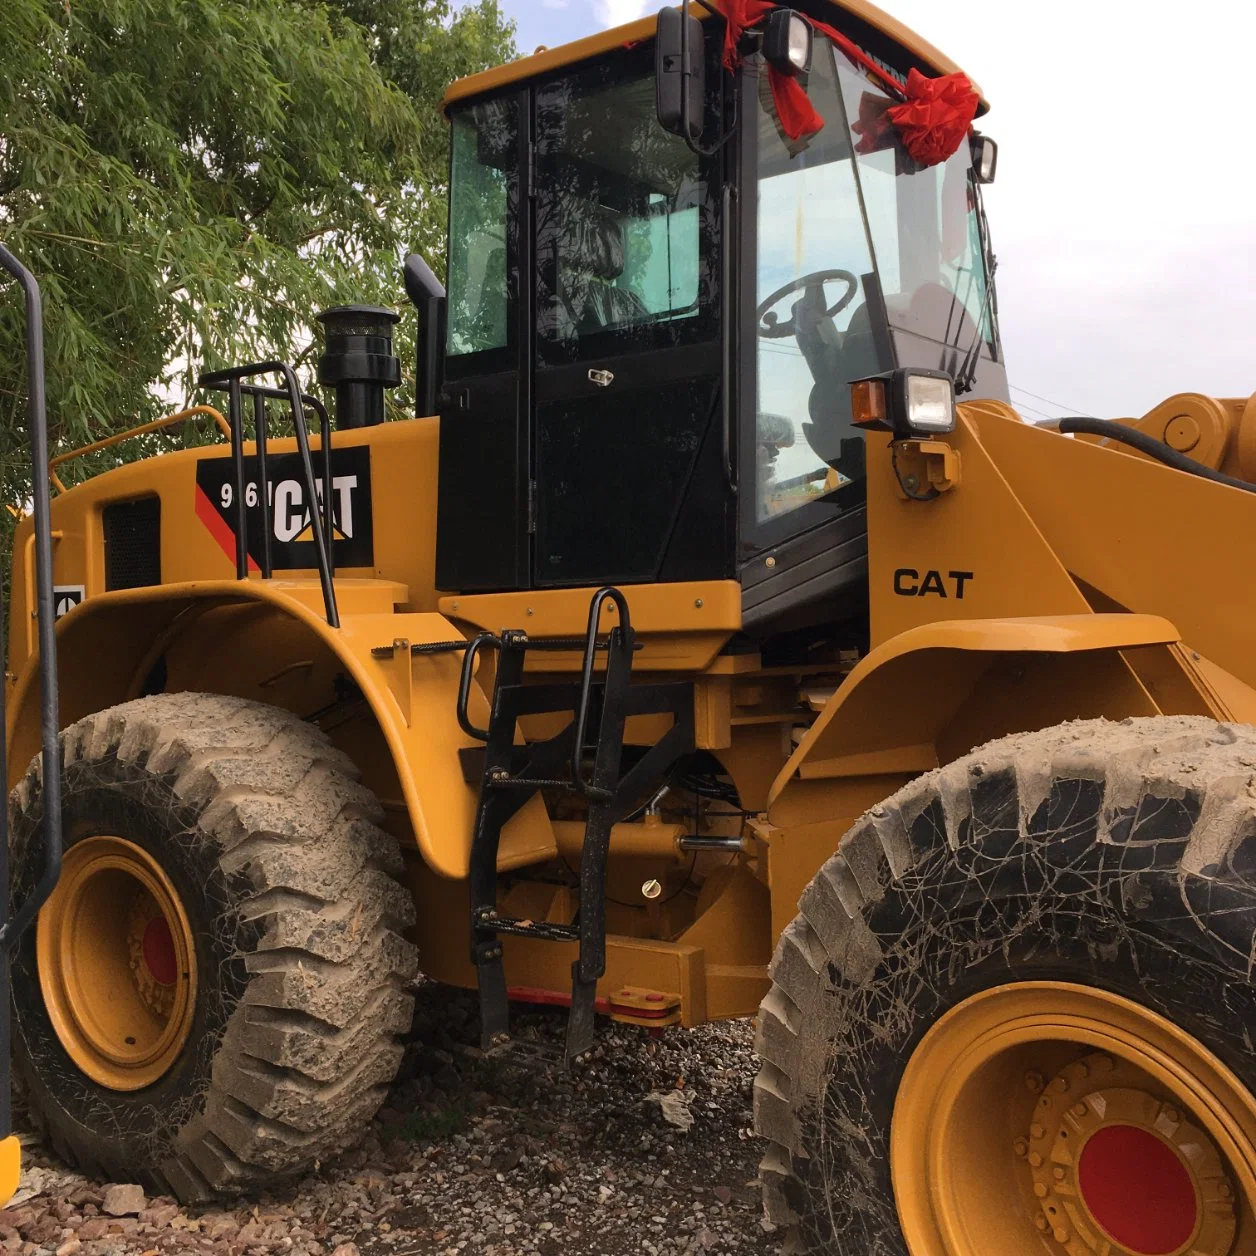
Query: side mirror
[[985, 157], [427, 295], [680, 74]]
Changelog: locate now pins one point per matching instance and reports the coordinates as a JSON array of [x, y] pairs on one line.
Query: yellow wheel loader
[[717, 640]]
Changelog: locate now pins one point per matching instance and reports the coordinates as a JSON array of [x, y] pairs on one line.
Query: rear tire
[[1113, 864], [293, 916]]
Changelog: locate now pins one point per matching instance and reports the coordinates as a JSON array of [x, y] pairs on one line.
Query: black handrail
[[50, 722], [231, 379], [620, 635], [260, 436], [324, 427], [474, 646]]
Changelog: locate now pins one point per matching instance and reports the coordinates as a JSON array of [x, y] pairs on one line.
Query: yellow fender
[[905, 695], [933, 692], [413, 699]]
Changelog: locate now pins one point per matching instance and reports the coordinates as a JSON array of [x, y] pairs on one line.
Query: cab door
[[627, 459], [482, 514]]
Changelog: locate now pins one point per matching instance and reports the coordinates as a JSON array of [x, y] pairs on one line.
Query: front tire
[[213, 997], [1020, 991]]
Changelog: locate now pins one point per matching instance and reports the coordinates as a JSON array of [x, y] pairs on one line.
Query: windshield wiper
[[967, 372]]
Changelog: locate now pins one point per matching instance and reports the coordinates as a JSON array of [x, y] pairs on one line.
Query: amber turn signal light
[[868, 404]]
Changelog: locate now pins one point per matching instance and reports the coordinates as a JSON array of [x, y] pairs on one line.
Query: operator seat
[[592, 258], [835, 358]]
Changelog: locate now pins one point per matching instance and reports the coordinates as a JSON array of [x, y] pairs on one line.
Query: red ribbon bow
[[935, 118]]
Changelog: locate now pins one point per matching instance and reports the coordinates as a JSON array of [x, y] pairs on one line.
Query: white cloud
[[619, 12]]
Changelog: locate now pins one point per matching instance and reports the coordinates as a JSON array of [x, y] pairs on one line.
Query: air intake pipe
[[358, 361]]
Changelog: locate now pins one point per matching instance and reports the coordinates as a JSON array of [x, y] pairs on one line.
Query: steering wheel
[[769, 326]]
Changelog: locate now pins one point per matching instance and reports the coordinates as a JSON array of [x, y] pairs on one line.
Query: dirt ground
[[645, 1149]]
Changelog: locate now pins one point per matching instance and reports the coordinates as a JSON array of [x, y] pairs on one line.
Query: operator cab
[[649, 342]]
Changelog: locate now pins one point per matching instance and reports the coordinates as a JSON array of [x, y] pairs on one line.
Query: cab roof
[[864, 22]]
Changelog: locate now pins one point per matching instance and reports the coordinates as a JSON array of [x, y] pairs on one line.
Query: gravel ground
[[477, 1156]]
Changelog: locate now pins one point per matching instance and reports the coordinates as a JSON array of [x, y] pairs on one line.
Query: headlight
[[930, 403], [787, 42], [910, 401]]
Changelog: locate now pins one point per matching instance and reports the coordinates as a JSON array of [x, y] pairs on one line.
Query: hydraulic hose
[[1152, 448]]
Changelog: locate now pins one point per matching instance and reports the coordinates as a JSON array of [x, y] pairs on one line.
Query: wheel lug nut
[[1036, 1130], [1058, 1173], [1035, 1159], [1020, 1146], [1059, 1085], [1040, 1189], [1061, 1234], [1040, 1221], [1034, 1082], [1080, 1109]]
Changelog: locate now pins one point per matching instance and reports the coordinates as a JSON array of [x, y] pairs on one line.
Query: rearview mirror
[[985, 157], [680, 74]]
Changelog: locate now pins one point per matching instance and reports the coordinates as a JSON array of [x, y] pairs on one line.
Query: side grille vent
[[132, 543]]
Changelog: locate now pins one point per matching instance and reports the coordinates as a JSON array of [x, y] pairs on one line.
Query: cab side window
[[484, 143]]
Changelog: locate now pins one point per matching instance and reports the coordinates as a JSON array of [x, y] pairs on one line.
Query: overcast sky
[[1124, 216]]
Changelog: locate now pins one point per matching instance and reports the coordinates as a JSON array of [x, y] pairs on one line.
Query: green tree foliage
[[191, 179]]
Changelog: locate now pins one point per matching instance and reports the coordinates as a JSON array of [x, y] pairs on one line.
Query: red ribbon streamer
[[798, 115]]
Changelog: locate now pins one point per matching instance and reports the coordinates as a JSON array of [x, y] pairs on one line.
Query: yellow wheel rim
[[1045, 1118], [117, 963]]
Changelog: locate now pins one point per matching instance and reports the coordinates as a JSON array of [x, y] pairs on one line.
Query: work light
[[787, 42], [930, 403], [910, 402]]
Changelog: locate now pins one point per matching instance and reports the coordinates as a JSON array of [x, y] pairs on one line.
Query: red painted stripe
[[218, 527]]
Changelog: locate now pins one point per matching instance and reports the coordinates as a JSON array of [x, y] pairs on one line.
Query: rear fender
[[394, 715]]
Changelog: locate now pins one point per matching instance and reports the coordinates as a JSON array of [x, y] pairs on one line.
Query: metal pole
[[236, 415], [263, 482]]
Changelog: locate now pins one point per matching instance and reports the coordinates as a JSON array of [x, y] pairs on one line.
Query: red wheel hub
[[159, 953], [1138, 1190]]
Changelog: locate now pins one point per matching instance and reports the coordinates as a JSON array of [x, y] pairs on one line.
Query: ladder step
[[491, 922], [524, 1053]]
